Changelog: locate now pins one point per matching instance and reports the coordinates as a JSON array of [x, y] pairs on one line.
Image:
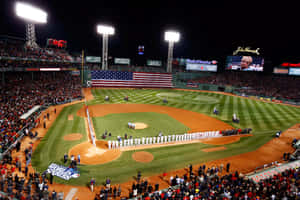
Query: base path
[[195, 121]]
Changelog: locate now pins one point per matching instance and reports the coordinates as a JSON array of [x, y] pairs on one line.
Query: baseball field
[[185, 111]]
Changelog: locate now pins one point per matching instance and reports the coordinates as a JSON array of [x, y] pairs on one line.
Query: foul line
[[71, 194]]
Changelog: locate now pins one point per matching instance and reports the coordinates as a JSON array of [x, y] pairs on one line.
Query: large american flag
[[130, 79]]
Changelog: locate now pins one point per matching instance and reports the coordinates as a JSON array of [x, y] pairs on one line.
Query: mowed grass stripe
[[221, 106], [276, 121], [263, 114], [229, 106], [264, 117], [289, 110], [293, 109], [251, 112], [282, 115], [242, 112]]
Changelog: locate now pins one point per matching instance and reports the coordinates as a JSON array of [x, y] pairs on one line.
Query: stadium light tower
[[32, 15], [105, 31], [171, 37]]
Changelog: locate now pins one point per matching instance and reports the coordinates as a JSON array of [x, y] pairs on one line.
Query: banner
[[294, 71], [124, 61], [201, 67], [277, 70], [62, 171], [93, 59], [154, 63], [75, 73]]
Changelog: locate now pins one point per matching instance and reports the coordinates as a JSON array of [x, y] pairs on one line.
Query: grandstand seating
[[257, 84], [21, 93]]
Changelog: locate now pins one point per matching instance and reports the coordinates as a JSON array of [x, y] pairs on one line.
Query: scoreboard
[[56, 43]]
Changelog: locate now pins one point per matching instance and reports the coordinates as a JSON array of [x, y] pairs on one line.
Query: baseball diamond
[[264, 118]]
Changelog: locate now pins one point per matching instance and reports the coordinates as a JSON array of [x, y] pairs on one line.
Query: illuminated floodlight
[[172, 36], [30, 13], [105, 30]]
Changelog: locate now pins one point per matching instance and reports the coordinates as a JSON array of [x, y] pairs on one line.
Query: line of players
[[161, 139]]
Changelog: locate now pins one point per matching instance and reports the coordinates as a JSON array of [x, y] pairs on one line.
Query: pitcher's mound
[[73, 137], [91, 155], [140, 125], [142, 156]]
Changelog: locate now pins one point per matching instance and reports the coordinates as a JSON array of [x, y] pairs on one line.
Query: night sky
[[209, 29]]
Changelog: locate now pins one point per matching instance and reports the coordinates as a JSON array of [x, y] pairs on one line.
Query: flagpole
[[82, 63]]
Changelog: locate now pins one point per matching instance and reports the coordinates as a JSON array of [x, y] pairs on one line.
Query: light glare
[[31, 13], [172, 36], [108, 30]]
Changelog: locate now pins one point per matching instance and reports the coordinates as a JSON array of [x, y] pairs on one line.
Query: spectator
[[227, 167], [65, 158]]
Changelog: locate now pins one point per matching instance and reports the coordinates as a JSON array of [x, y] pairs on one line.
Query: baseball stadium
[[81, 126]]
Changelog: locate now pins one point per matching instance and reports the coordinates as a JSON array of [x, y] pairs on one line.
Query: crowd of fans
[[30, 186], [19, 93], [22, 91], [17, 49], [207, 184], [13, 64], [281, 87]]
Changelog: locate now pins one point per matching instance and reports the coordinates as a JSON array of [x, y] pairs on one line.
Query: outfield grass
[[264, 118], [260, 116], [116, 124]]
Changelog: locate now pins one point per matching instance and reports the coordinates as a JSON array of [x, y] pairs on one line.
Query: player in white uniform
[[109, 144]]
